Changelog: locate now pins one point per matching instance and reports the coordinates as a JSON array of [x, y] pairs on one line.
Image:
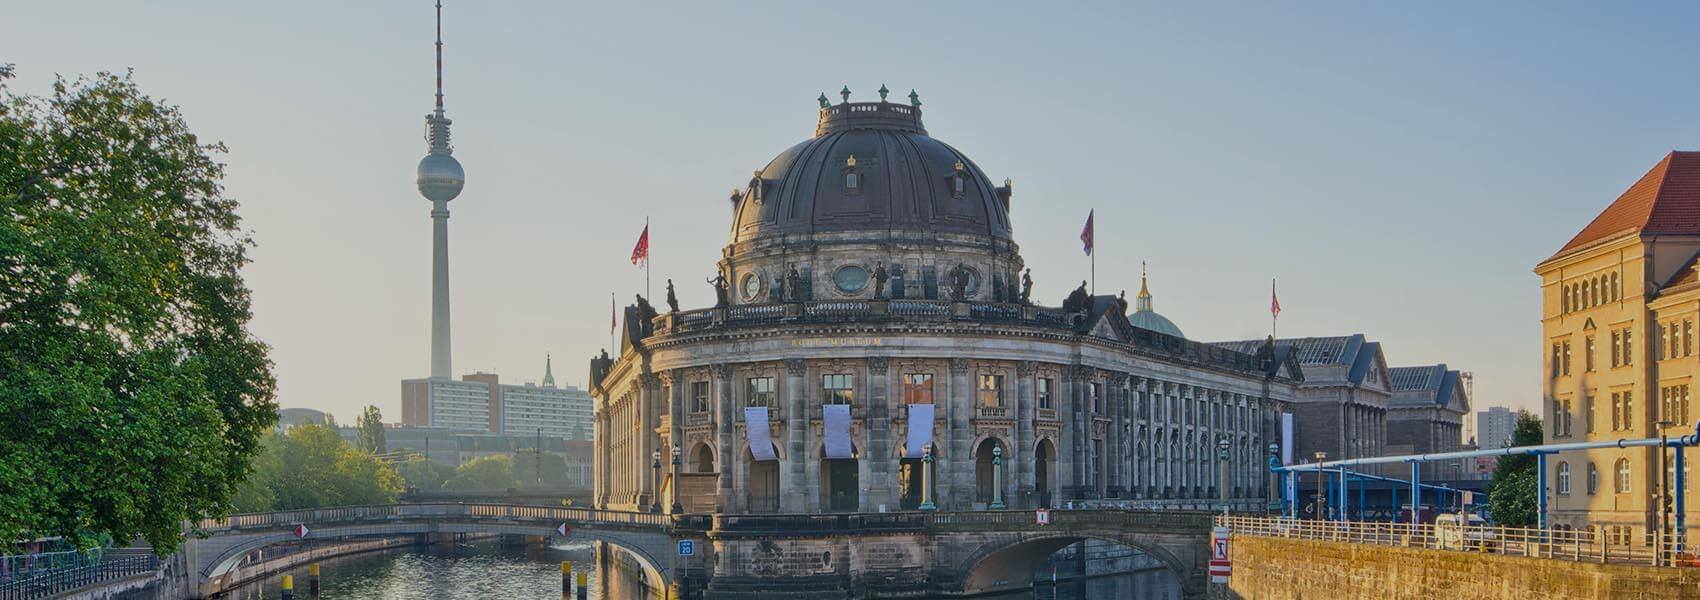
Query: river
[[490, 570]]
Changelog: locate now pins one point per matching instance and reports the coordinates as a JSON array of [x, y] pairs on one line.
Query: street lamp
[[1320, 506], [677, 508], [1275, 497], [927, 478], [1664, 490], [1223, 452], [997, 478], [655, 481]]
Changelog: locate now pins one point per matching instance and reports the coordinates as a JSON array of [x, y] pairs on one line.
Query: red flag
[[1086, 234], [1274, 302], [640, 252]]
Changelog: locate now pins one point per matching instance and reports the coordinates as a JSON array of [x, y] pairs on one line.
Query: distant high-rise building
[[440, 180], [1494, 427], [480, 401]]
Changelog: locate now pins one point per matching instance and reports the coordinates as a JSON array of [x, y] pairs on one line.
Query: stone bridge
[[900, 554]]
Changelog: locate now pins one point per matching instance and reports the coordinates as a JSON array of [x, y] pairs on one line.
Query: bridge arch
[[988, 566]]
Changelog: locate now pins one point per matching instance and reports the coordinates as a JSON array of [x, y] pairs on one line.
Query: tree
[[1512, 499], [553, 471], [422, 473], [371, 424], [493, 472], [312, 467], [132, 395]]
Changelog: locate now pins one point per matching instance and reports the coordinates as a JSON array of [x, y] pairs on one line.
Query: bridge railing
[[1581, 545], [343, 514]]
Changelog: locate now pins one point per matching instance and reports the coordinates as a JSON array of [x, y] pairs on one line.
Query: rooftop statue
[[1078, 300], [672, 300], [1027, 286], [794, 285], [719, 283], [879, 277], [959, 283]]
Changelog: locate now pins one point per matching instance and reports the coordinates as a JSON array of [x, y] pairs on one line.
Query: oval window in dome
[[850, 279], [751, 286]]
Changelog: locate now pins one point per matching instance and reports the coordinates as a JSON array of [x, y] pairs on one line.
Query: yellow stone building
[[1620, 303]]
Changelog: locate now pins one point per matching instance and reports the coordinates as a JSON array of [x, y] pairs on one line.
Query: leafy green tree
[[1512, 499], [418, 472], [493, 472], [371, 424], [553, 471], [312, 467], [132, 395]]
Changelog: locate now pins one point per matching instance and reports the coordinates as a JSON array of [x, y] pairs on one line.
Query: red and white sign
[[1042, 516], [301, 531], [1220, 566], [563, 529]]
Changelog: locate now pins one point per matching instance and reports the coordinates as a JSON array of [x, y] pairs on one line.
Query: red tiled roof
[[1665, 200]]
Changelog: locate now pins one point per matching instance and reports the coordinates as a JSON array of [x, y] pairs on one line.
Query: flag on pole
[[640, 252], [1274, 302], [1086, 234], [611, 321]]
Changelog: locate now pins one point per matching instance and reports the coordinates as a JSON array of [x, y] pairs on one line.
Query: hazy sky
[[1400, 167]]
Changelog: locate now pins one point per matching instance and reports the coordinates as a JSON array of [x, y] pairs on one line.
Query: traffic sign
[[687, 547], [563, 529], [1042, 516], [1220, 567], [301, 531]]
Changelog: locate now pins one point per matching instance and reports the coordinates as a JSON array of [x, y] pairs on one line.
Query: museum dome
[[1145, 318], [871, 168]]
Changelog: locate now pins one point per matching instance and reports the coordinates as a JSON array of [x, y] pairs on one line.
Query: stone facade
[[1341, 408]]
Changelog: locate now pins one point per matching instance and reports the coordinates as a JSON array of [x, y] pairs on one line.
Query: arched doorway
[[840, 482], [985, 473], [909, 473], [761, 484], [1095, 567], [1044, 457], [702, 459]]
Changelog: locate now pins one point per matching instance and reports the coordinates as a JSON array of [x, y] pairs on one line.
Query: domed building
[[875, 348]]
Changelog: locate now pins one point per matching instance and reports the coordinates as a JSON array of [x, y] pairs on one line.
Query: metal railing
[[1579, 545], [44, 583], [436, 511]]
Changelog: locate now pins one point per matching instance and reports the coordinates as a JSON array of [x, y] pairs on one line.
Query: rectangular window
[[991, 391], [1568, 431], [1687, 337], [1588, 412], [1096, 390], [1628, 410], [1616, 350], [761, 392], [917, 388], [1045, 392], [1556, 369], [1588, 353], [699, 396], [1659, 348], [1566, 357], [1628, 348], [837, 389], [1616, 411]]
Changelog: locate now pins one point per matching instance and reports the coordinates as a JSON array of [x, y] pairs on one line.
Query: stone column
[[1024, 444], [674, 382], [599, 458], [649, 418], [725, 414], [959, 469], [794, 489], [877, 463], [1115, 440]]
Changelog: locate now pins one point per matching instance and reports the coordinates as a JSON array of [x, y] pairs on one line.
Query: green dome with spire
[[1145, 318]]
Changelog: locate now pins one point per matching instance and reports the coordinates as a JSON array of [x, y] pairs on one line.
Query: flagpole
[[646, 291], [1274, 315], [612, 347]]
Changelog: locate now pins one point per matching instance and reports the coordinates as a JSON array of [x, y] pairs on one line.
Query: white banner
[[836, 419], [755, 431], [1292, 492], [920, 429]]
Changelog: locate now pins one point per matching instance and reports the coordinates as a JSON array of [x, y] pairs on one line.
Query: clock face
[[751, 286]]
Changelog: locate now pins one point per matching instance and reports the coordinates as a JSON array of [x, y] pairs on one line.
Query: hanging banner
[[1292, 491], [755, 431], [920, 429], [836, 419]]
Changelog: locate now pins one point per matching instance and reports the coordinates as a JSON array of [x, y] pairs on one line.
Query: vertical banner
[[755, 431], [1287, 456], [920, 430], [836, 419]]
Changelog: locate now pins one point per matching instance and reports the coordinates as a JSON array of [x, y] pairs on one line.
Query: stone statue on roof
[[672, 299], [1027, 286], [879, 280]]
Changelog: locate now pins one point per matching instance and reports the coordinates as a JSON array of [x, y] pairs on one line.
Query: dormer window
[[959, 181], [852, 179]]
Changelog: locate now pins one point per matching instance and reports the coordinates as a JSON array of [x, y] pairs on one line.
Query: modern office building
[[480, 401], [1494, 427]]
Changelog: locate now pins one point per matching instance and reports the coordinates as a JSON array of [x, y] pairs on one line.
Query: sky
[[1399, 167]]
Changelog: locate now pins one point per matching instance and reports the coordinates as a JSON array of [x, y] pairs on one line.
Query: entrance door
[[909, 481], [838, 484], [1042, 473], [763, 484]]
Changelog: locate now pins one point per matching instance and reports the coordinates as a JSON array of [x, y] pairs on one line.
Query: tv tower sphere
[[440, 177]]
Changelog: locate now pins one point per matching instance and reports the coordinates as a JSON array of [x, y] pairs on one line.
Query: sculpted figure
[[672, 299], [959, 283], [1027, 286], [719, 283], [879, 281], [794, 285]]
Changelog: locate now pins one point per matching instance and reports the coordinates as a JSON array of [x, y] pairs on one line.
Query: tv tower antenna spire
[[440, 180], [439, 57]]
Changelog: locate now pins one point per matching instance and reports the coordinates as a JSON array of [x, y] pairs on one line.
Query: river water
[[485, 570]]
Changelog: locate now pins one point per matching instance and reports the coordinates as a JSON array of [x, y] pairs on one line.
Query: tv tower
[[440, 180]]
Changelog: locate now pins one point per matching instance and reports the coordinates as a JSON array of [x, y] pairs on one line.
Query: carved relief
[[796, 366]]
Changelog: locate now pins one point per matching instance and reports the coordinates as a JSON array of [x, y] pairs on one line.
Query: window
[[699, 396], [1628, 348], [1044, 392], [852, 179], [1593, 479], [1687, 337], [1567, 421], [850, 279], [1096, 391], [1566, 357], [1616, 349], [838, 389], [1588, 412], [1556, 357], [991, 391], [1628, 409], [1564, 478], [1588, 353], [917, 388], [1621, 481], [761, 392]]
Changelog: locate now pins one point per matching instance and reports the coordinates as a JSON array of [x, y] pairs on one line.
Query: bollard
[[566, 580], [313, 581], [288, 588], [583, 587]]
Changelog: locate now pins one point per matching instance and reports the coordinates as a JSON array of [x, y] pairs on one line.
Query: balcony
[[698, 418], [994, 412], [1047, 414]]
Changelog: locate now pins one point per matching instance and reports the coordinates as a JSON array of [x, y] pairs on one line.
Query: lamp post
[[655, 481], [1276, 499], [927, 478], [677, 508], [997, 479], [1664, 495], [1223, 447], [1320, 503]]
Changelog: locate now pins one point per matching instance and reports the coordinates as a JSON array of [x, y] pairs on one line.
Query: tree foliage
[[371, 424], [421, 473], [312, 467], [493, 472], [551, 473], [1512, 499], [132, 395]]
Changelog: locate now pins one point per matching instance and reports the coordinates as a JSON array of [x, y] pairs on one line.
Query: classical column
[[960, 460], [1066, 478], [725, 414], [1115, 440], [673, 383], [794, 498], [1024, 445], [876, 462], [649, 418], [599, 459]]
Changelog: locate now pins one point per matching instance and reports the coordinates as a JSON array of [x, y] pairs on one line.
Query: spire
[[1142, 302], [548, 372], [436, 123]]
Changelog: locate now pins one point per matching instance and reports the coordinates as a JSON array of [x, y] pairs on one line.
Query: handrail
[[1561, 544]]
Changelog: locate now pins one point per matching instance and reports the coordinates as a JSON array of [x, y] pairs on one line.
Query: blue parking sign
[[687, 547]]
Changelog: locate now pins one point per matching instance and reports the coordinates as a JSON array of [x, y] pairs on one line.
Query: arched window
[[1598, 297], [1616, 288], [1593, 479], [1564, 477], [1621, 482], [1564, 303]]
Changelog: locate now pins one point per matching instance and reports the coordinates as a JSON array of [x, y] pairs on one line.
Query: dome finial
[[845, 93], [850, 162], [823, 101], [883, 92], [914, 98]]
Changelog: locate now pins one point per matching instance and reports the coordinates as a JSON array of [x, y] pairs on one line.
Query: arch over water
[[988, 568]]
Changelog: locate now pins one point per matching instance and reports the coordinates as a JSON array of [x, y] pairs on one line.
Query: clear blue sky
[[1400, 167]]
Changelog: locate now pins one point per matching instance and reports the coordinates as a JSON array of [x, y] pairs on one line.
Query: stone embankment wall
[[1290, 569]]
